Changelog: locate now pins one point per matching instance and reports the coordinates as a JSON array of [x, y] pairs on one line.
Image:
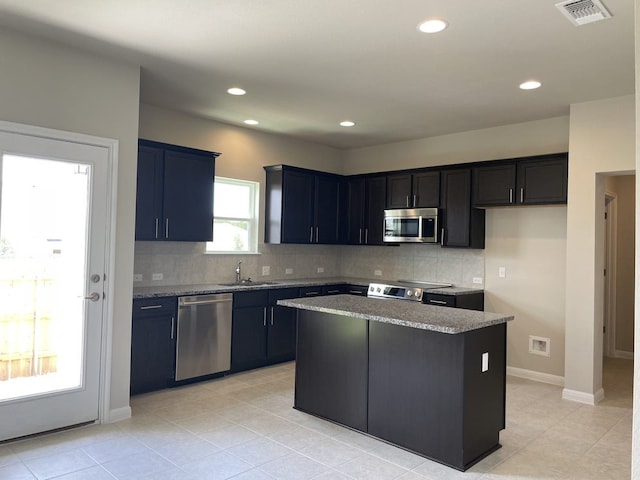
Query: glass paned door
[[51, 282]]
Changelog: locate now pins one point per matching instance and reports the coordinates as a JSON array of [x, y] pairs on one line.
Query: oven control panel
[[381, 290]]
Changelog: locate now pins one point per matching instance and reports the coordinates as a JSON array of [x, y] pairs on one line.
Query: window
[[235, 218]]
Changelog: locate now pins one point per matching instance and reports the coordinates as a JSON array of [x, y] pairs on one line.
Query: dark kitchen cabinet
[[302, 206], [365, 206], [531, 181], [174, 199], [152, 344], [415, 190], [263, 332], [461, 224], [468, 301]]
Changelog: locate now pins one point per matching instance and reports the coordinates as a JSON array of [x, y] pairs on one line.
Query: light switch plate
[[502, 272], [266, 270]]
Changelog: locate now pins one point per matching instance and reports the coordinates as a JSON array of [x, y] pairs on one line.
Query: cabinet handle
[[172, 326], [150, 307], [166, 228], [308, 294], [511, 195], [355, 292], [360, 235], [264, 317], [439, 302], [415, 200], [522, 195], [366, 236], [442, 237], [408, 201], [272, 316], [157, 222], [331, 292], [310, 234], [317, 229]]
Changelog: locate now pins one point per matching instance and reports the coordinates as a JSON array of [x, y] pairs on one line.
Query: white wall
[[602, 140], [53, 86]]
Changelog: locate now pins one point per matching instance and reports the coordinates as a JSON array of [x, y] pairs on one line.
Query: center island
[[425, 378]]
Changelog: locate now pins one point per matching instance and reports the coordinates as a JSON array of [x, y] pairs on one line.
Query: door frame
[[610, 255], [106, 342]]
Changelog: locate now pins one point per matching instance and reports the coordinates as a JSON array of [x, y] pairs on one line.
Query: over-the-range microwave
[[418, 225]]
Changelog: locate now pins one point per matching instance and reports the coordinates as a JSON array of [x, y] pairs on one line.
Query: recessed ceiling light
[[530, 85], [251, 122], [433, 25], [236, 91], [347, 123]]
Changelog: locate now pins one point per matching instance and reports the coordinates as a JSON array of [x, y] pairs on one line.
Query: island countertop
[[400, 312]]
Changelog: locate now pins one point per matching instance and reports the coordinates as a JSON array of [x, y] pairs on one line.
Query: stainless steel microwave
[[418, 225]]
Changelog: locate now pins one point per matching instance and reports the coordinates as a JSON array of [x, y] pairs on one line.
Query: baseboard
[[583, 397], [118, 414], [623, 354], [536, 376]]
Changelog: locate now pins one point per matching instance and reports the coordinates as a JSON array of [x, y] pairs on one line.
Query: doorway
[[55, 192]]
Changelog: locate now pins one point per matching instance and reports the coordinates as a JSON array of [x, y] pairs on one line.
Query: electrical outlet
[[540, 345], [137, 277], [288, 271], [320, 269], [157, 276], [477, 280], [266, 270], [377, 273], [502, 272]]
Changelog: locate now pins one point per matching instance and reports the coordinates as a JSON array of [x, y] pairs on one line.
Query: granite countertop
[[400, 312], [204, 289]]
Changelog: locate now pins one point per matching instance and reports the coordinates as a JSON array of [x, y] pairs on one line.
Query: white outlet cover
[[288, 271], [477, 280], [157, 276], [266, 270], [377, 273], [320, 269], [137, 277], [502, 272]]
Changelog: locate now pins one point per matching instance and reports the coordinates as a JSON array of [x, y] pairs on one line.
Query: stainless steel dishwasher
[[204, 335]]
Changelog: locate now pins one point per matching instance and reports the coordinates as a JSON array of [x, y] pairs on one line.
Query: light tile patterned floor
[[243, 427]]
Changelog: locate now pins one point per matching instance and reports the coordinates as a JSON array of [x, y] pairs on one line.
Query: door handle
[[272, 316], [94, 297]]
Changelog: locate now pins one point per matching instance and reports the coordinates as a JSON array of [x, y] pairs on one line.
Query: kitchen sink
[[246, 283]]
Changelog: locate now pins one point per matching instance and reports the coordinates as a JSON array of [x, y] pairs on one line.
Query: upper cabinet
[[416, 190], [174, 199], [302, 206], [365, 210], [528, 181], [461, 224]]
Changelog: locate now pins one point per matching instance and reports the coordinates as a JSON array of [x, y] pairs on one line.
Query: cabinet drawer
[[336, 289], [357, 290], [256, 298], [283, 294], [441, 300], [143, 307], [311, 291]]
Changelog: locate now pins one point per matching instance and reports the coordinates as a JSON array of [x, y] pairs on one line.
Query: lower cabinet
[[153, 344], [469, 301], [263, 332]]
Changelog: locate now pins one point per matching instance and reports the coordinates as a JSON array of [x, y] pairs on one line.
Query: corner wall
[[601, 140], [53, 86]]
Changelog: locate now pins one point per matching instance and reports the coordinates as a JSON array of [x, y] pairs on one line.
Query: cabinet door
[[152, 345], [248, 337], [542, 181], [297, 207], [399, 193], [462, 226], [426, 189], [188, 197], [149, 193], [494, 185], [281, 336], [327, 209], [376, 200], [355, 211]]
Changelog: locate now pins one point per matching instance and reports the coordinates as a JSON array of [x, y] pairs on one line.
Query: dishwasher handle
[[207, 300]]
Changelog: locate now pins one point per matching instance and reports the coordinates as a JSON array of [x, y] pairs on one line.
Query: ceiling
[[309, 64]]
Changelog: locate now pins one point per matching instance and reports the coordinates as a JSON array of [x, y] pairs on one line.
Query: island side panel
[[484, 409], [416, 390], [331, 367]]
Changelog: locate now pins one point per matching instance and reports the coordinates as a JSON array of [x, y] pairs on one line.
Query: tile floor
[[243, 427]]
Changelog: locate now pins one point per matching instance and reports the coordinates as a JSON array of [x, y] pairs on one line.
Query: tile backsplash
[[182, 263]]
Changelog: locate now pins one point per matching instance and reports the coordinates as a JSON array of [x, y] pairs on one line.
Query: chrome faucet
[[238, 274]]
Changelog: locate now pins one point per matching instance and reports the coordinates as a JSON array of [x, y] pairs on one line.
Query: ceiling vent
[[581, 12]]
